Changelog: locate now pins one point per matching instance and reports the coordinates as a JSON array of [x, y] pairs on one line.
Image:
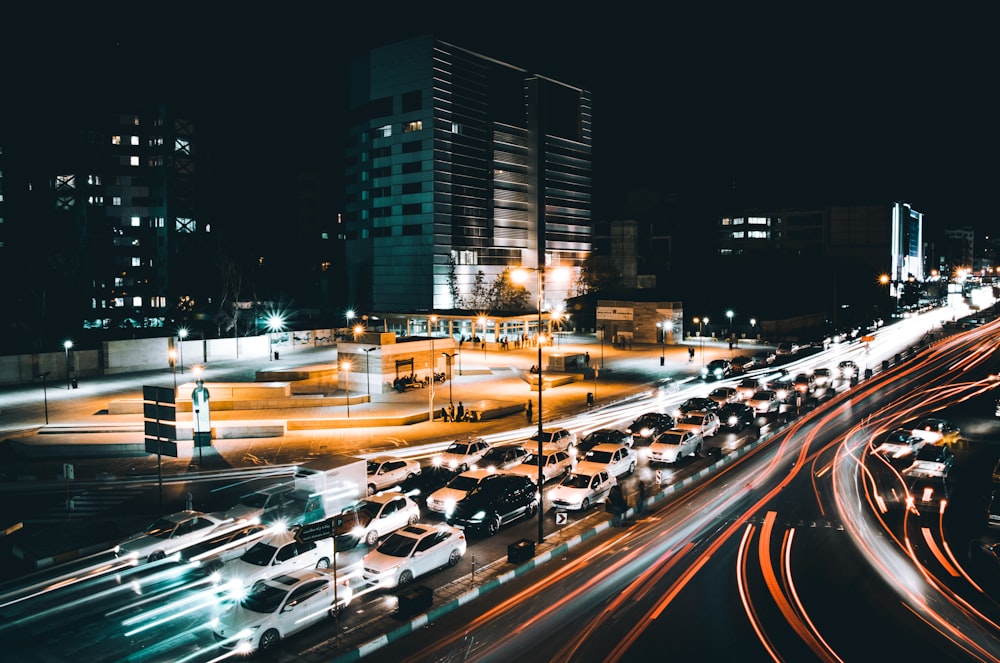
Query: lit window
[[118, 302], [116, 140], [134, 140], [133, 160], [137, 301], [454, 127], [135, 120], [116, 200], [384, 131], [416, 125], [158, 222], [136, 262], [119, 282], [135, 221], [324, 235]]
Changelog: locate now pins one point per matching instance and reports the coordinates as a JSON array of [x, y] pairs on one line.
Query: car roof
[[609, 446], [476, 473], [383, 497]]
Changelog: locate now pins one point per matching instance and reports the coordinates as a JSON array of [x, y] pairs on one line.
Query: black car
[[717, 369], [419, 486], [503, 457], [602, 436], [697, 403], [648, 427], [494, 503], [736, 416]]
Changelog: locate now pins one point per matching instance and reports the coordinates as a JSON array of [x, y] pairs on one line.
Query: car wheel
[[412, 520], [697, 451], [371, 538], [156, 555], [323, 563], [464, 468], [405, 578], [533, 508], [371, 489], [269, 640], [454, 557], [585, 504], [631, 468], [494, 525]]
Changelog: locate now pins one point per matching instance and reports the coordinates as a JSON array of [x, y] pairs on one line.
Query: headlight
[[645, 432], [733, 420], [478, 516], [436, 461], [453, 464], [449, 505], [358, 532]]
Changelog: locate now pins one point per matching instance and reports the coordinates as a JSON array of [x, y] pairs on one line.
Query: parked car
[[743, 363], [171, 533], [276, 554], [747, 387], [723, 395], [897, 443], [443, 500], [673, 445], [937, 431], [411, 552], [645, 429], [462, 454], [581, 489], [266, 505], [559, 438], [619, 460], [736, 416], [496, 503], [388, 471], [503, 457], [601, 436], [371, 518], [704, 422], [554, 463], [764, 402], [717, 369], [695, 404], [280, 606]]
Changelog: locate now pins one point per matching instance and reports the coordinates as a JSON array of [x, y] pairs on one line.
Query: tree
[[505, 295]]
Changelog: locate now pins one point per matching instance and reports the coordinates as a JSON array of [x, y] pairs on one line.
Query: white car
[[462, 454], [581, 489], [171, 533], [705, 423], [273, 555], [747, 387], [279, 607], [443, 500], [559, 438], [554, 462], [898, 443], [411, 552], [372, 518], [388, 471], [764, 401], [618, 459], [673, 445]]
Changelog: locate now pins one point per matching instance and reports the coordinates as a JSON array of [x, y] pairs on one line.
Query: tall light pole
[[45, 395], [451, 358], [67, 345], [729, 314], [431, 322], [367, 373], [182, 334], [753, 326], [346, 367], [521, 275], [173, 363], [663, 327], [275, 323], [701, 322]]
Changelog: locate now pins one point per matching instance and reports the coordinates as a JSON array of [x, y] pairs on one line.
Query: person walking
[[451, 412], [691, 354], [460, 414], [527, 412], [616, 504], [640, 505], [444, 413]]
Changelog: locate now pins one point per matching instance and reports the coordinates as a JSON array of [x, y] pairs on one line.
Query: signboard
[[157, 394], [161, 447], [867, 339], [161, 430], [161, 411], [614, 313], [561, 518], [322, 529]]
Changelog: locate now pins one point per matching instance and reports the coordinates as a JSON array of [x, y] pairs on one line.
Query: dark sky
[[825, 103]]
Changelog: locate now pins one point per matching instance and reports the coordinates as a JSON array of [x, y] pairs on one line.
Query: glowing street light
[[729, 314], [520, 275], [67, 345], [431, 323], [368, 379], [275, 323], [182, 334], [663, 327], [701, 322]]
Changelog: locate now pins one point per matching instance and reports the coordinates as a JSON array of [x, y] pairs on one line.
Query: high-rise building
[[459, 166]]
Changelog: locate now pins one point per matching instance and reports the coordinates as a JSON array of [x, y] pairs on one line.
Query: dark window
[[412, 146], [411, 229], [380, 107], [384, 171], [413, 208], [382, 152], [411, 187], [411, 101], [411, 167]]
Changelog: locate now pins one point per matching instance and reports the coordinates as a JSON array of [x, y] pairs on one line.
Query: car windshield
[[575, 481], [669, 439], [599, 456], [693, 419], [161, 529], [535, 459], [544, 437], [373, 467], [763, 396], [458, 449], [720, 393], [260, 554], [264, 599], [899, 437], [463, 483], [398, 545], [645, 421]]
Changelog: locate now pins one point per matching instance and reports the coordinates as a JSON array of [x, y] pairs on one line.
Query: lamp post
[[519, 275], [753, 326], [67, 345], [182, 334], [173, 364], [729, 314], [663, 326], [701, 322], [275, 323], [346, 367], [45, 395], [431, 321], [451, 358], [367, 374], [604, 331]]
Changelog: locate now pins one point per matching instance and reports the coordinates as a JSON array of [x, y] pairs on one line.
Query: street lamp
[[45, 395], [182, 334], [275, 322], [367, 374], [358, 331], [729, 314], [67, 345], [451, 358], [663, 327], [753, 326], [701, 322], [173, 363], [521, 275], [346, 367], [431, 322]]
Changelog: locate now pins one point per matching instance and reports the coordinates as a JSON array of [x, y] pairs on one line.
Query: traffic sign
[[322, 529], [163, 430], [561, 518]]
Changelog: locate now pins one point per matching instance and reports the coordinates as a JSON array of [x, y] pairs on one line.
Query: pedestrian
[[691, 354], [444, 413], [616, 504], [460, 414], [451, 412], [640, 505], [527, 412], [586, 359]]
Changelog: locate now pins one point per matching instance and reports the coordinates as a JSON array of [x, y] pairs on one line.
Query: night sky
[[832, 105]]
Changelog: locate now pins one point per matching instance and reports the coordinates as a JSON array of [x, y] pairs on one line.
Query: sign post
[[160, 425]]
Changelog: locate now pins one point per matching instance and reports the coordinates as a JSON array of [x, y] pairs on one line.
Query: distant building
[[459, 166]]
